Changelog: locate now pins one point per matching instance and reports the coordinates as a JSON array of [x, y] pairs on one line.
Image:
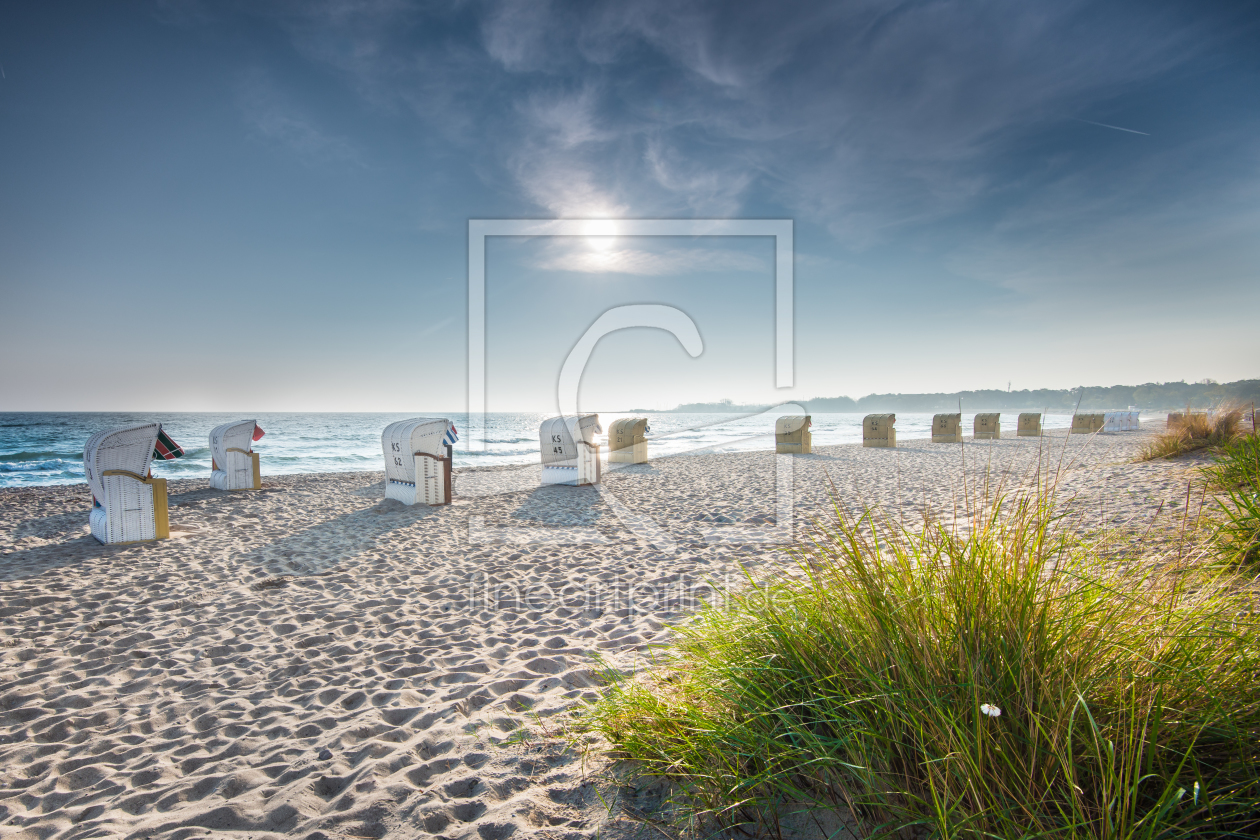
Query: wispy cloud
[[276, 119], [674, 261], [870, 117]]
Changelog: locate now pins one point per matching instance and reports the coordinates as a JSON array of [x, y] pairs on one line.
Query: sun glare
[[601, 234]]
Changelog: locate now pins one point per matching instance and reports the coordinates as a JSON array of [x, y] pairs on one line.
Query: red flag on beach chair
[[258, 432], [166, 449]]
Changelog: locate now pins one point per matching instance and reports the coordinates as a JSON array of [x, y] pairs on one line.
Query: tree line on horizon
[[1152, 396]]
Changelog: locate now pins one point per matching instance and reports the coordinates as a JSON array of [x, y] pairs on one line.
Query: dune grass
[[1237, 472], [1238, 464], [866, 683], [1196, 431]]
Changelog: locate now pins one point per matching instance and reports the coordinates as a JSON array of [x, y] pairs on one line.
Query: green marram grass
[[1129, 704], [1238, 464], [1237, 472]]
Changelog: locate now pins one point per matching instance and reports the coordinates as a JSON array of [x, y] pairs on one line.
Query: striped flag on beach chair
[[451, 436], [166, 449]]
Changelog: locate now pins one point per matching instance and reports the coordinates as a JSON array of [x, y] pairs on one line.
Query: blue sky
[[264, 206]]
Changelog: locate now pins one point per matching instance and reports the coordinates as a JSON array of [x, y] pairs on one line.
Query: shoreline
[[427, 652], [51, 454]]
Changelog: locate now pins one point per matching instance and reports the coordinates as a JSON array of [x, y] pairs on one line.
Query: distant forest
[[1153, 396]]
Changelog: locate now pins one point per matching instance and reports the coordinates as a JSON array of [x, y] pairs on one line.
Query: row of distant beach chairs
[[878, 429], [129, 504]]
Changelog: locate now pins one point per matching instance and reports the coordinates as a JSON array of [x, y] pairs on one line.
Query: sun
[[601, 234]]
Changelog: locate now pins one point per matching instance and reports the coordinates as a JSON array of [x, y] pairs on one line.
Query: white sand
[[187, 688]]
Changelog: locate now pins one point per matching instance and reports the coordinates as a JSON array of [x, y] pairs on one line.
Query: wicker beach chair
[[1029, 424], [987, 427], [570, 454], [129, 506], [418, 458], [1087, 424], [947, 428], [878, 431], [792, 435], [627, 441], [234, 464]]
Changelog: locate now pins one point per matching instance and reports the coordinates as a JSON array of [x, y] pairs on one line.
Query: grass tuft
[[1237, 472], [1238, 464], [1195, 431], [1129, 706]]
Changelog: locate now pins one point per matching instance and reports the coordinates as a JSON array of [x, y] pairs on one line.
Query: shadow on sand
[[325, 546]]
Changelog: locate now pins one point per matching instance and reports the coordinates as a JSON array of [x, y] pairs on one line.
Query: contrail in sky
[[1116, 127]]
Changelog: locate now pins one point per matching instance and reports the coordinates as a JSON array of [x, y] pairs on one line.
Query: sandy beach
[[314, 661]]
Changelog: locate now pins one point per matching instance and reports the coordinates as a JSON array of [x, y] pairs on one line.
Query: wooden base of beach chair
[[161, 515], [635, 453]]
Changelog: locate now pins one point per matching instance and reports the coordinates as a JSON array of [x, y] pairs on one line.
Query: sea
[[47, 448]]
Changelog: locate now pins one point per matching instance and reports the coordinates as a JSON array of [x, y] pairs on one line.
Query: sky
[[264, 206]]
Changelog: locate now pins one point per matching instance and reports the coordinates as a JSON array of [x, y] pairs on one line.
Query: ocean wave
[[41, 456], [320, 457], [47, 465]]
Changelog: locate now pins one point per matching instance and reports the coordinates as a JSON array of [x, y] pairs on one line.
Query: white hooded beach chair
[[1121, 421], [234, 464], [129, 506], [418, 459], [570, 454]]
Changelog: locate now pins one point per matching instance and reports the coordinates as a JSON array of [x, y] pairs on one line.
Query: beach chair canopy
[[627, 432], [235, 435], [402, 441], [878, 425], [792, 424], [559, 437], [128, 448], [947, 424], [987, 423]]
